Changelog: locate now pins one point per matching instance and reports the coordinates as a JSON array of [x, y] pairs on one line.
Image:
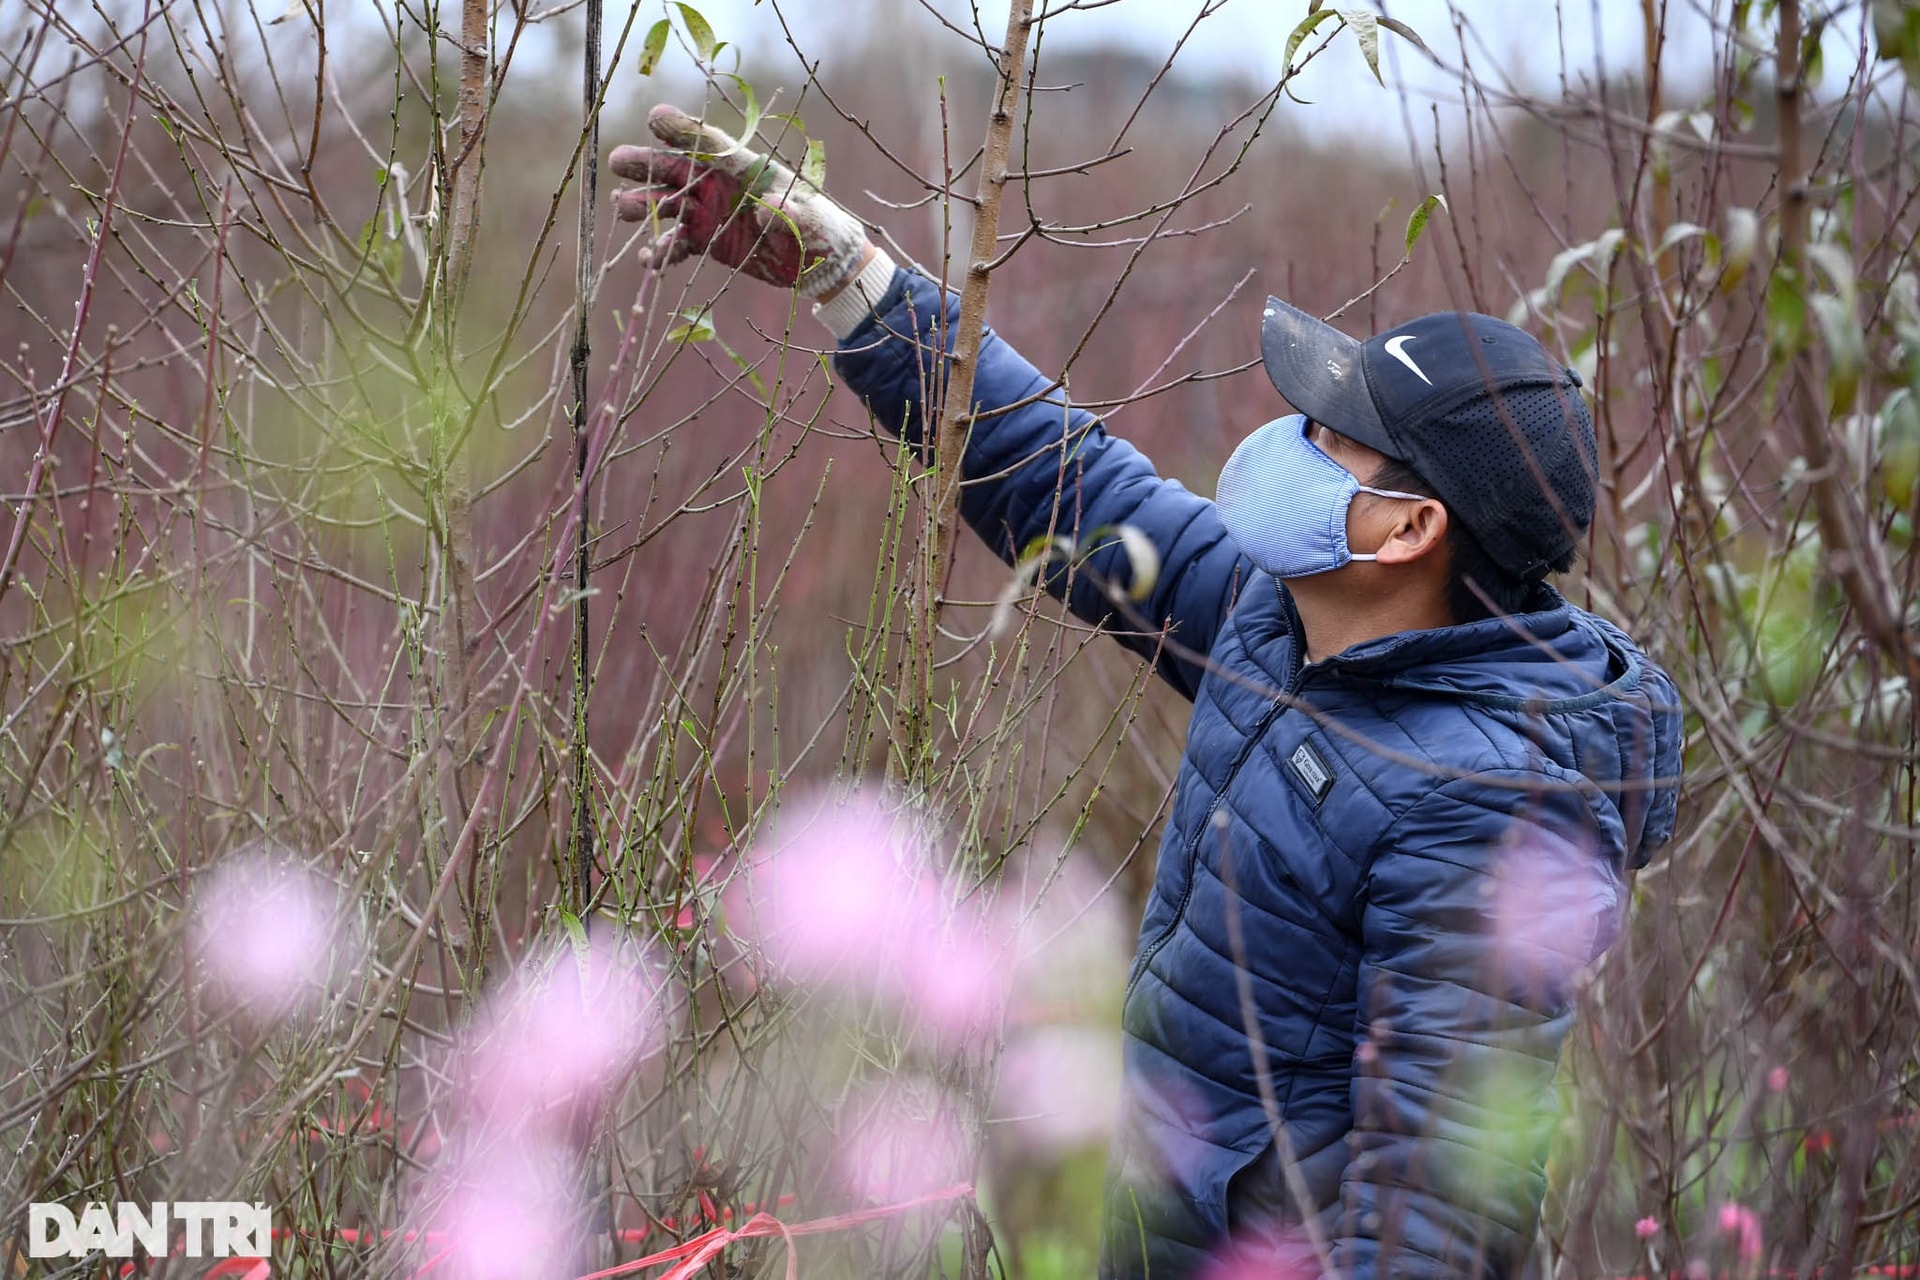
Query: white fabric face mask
[[1285, 501]]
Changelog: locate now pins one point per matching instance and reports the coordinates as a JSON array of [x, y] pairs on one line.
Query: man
[[1414, 777]]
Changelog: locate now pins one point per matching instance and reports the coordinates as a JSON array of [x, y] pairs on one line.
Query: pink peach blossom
[[1777, 1080], [833, 884], [267, 931], [955, 978], [1059, 1087], [1073, 944], [1289, 1257], [843, 895], [1743, 1225], [1647, 1228], [1551, 902], [565, 1029], [899, 1140], [506, 1214]]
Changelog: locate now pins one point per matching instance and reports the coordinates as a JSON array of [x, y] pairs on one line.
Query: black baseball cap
[[1477, 406]]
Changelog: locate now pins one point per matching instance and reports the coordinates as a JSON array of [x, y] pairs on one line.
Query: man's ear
[[1419, 532]]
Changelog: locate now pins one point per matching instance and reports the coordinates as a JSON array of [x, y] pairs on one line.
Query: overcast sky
[[1521, 39]]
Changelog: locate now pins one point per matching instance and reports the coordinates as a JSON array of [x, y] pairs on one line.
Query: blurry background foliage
[[369, 518]]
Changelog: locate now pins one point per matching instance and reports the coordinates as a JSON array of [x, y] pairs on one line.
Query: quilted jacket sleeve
[[1482, 905], [1036, 467]]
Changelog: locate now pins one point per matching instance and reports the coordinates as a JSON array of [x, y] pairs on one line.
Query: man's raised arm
[[1035, 467]]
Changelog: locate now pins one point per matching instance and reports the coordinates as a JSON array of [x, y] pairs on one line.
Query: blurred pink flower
[[565, 1029], [1059, 1087], [1777, 1080], [1551, 901], [899, 1140], [267, 930], [957, 975], [833, 886], [506, 1215], [1647, 1228], [1289, 1257], [1073, 942], [844, 895], [1743, 1225]]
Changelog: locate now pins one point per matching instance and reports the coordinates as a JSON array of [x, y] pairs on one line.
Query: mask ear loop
[[1306, 424], [1384, 493], [1395, 493]]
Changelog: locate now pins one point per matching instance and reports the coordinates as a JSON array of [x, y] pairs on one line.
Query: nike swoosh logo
[[1397, 348]]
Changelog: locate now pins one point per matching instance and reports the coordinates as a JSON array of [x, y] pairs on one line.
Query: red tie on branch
[[690, 1255], [697, 1252]]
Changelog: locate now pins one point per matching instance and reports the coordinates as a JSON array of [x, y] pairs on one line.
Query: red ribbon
[[699, 1251]]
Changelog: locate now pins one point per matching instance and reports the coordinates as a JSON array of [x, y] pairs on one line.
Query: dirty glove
[[736, 206]]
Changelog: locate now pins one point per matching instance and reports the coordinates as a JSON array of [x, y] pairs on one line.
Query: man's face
[[1371, 520]]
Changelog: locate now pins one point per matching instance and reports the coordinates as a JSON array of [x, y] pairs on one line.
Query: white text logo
[[209, 1228]]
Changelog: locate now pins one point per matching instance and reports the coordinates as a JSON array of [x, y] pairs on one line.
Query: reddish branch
[[70, 360]]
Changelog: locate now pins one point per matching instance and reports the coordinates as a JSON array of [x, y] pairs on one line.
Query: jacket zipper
[[1267, 718]]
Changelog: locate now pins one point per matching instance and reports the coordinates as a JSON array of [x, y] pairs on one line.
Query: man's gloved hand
[[736, 206]]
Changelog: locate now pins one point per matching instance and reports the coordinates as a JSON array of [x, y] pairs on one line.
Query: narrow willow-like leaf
[[698, 31], [653, 46], [1418, 219]]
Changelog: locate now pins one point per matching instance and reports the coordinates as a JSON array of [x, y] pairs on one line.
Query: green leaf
[[1143, 559], [1677, 234], [1846, 349], [1366, 29], [1408, 34], [1813, 60], [750, 118], [694, 326], [813, 168], [1315, 16], [653, 46], [1021, 582], [789, 120], [1742, 242], [571, 597], [746, 367], [1896, 32], [698, 31], [576, 939], [1898, 462], [1597, 255], [1417, 221], [1837, 264], [1786, 315]]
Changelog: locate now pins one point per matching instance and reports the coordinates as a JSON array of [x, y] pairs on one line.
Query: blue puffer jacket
[[1381, 877]]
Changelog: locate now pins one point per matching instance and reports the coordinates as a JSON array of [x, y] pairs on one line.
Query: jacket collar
[[1543, 659]]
